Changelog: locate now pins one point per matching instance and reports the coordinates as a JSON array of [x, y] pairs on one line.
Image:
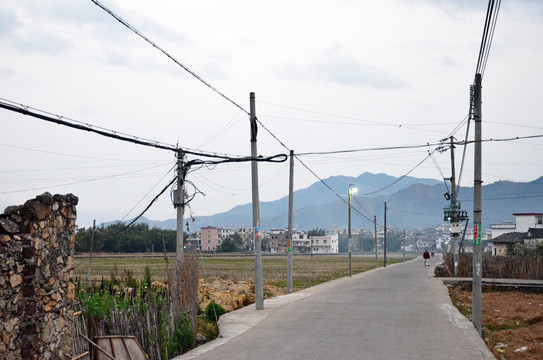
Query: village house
[[500, 243], [523, 222], [534, 235], [193, 242], [209, 238], [327, 244]]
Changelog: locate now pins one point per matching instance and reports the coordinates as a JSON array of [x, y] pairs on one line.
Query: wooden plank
[[121, 353], [135, 349], [121, 347], [81, 355]]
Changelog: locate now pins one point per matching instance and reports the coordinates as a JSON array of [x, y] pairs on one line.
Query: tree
[[394, 240], [316, 232], [365, 243], [229, 245], [136, 238]]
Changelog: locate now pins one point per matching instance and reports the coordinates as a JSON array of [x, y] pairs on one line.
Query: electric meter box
[[455, 228]]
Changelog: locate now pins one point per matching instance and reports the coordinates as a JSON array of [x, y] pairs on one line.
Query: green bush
[[183, 337], [214, 311]]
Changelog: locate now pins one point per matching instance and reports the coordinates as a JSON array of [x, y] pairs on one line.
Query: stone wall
[[36, 278]]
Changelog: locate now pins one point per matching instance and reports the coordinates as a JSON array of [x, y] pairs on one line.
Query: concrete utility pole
[[180, 206], [455, 225], [385, 239], [91, 245], [403, 244], [289, 235], [352, 189], [349, 231], [477, 211], [259, 288], [375, 235]]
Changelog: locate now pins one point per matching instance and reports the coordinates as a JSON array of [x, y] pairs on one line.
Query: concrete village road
[[397, 312]]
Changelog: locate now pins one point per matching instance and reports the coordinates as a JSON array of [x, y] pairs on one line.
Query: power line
[[130, 27], [81, 167], [488, 34], [328, 186], [465, 142], [69, 155], [370, 149], [128, 213], [81, 182], [507, 197], [61, 120], [401, 177]]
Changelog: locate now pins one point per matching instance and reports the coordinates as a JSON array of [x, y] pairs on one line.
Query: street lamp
[[352, 190]]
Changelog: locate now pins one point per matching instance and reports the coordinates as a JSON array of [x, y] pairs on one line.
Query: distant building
[[193, 241], [533, 235], [247, 237], [278, 241], [301, 243], [523, 222], [500, 243], [210, 238], [225, 232], [327, 244]]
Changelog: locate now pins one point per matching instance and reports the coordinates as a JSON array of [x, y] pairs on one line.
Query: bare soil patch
[[512, 320]]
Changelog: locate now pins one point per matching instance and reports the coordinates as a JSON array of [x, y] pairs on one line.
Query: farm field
[[229, 279], [512, 320], [308, 271]]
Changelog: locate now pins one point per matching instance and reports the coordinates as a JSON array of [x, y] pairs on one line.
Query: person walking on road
[[426, 257]]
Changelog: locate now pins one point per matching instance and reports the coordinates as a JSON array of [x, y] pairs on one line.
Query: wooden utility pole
[[385, 239], [259, 288], [91, 246], [289, 234], [477, 315]]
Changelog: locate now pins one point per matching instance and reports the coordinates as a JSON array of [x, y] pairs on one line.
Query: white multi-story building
[[226, 232], [327, 244], [523, 222], [301, 242]]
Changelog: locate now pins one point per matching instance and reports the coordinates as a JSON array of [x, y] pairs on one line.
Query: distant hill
[[412, 203]]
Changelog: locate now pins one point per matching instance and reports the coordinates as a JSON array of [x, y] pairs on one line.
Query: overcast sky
[[328, 75]]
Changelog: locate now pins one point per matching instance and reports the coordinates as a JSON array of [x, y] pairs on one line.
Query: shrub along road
[[397, 312]]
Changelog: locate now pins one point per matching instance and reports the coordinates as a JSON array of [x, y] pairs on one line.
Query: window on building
[[324, 241], [317, 241]]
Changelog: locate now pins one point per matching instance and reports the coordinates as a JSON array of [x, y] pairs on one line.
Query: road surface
[[397, 312]]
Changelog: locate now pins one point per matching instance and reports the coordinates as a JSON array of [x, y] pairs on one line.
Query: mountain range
[[411, 203]]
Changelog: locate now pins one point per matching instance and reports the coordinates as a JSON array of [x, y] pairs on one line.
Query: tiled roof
[[509, 238], [534, 233]]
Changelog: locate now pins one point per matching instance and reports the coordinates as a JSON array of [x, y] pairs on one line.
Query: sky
[[328, 75]]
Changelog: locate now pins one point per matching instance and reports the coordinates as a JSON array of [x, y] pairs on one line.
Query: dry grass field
[[229, 279], [308, 271], [512, 321]]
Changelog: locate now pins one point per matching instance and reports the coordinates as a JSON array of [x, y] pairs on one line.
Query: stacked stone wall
[[36, 278]]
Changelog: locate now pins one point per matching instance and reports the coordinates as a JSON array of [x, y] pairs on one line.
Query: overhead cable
[[488, 34], [65, 121], [83, 181], [401, 177], [335, 192], [186, 68]]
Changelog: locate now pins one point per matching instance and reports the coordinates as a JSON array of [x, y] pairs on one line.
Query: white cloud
[[8, 22], [346, 71]]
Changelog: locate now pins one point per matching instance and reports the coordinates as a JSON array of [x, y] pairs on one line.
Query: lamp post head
[[352, 189]]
